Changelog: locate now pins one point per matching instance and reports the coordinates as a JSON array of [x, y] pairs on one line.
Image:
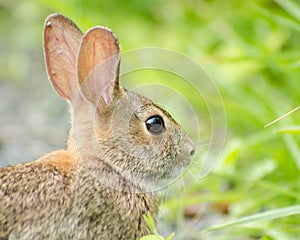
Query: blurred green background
[[250, 49]]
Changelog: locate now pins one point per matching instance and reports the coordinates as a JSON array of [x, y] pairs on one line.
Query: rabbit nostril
[[192, 152]]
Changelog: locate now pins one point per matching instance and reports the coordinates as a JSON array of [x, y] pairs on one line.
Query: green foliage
[[154, 236], [251, 50], [265, 216]]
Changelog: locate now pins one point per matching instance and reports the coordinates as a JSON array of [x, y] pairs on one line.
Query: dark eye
[[155, 125]]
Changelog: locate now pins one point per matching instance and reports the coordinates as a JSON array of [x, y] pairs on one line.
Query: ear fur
[[98, 65], [61, 44]]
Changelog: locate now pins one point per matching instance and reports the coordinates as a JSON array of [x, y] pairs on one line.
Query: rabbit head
[[111, 125]]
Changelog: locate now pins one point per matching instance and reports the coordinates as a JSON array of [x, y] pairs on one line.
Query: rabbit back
[[35, 193]]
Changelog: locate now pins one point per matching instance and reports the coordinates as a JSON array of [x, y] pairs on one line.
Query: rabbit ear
[[98, 65], [61, 43]]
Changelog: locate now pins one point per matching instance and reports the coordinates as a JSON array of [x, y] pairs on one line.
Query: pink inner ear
[[104, 77], [61, 43], [98, 64]]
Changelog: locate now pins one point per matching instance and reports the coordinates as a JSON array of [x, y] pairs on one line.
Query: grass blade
[[282, 117], [292, 8], [264, 216]]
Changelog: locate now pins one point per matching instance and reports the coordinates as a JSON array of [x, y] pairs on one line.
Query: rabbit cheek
[[137, 133]]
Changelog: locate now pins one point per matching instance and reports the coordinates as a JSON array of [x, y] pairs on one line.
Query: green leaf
[[291, 7], [170, 237], [289, 130], [290, 23], [293, 148], [150, 222], [152, 237]]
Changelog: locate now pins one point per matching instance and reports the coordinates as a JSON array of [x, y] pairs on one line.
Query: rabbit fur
[[104, 182]]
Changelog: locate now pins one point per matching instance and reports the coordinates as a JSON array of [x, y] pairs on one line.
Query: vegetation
[[251, 51]]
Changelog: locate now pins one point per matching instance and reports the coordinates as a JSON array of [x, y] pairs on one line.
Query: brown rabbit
[[121, 148]]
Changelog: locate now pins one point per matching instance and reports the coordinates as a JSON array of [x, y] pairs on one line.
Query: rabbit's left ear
[[61, 43], [98, 65]]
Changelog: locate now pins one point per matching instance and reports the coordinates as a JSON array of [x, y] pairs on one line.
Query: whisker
[[210, 143], [166, 194], [181, 186], [190, 172]]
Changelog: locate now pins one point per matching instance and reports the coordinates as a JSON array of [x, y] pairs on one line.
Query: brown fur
[[62, 200]]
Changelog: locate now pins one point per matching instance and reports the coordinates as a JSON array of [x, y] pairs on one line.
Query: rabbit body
[[57, 198], [121, 148]]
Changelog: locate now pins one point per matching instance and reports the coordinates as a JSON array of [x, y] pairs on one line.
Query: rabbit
[[121, 148]]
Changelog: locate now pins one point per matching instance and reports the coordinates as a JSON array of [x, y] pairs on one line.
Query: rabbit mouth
[[174, 173], [164, 178], [163, 175]]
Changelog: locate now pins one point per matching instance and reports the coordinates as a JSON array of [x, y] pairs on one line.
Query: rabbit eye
[[155, 125]]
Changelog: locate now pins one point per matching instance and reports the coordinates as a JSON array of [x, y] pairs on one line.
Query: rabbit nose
[[191, 146]]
